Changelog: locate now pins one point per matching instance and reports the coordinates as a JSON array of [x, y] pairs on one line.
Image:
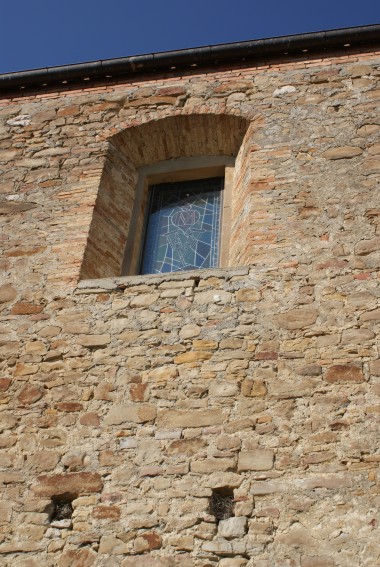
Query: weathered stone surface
[[144, 300], [25, 308], [77, 558], [30, 394], [247, 294], [44, 460], [298, 536], [147, 560], [297, 318], [192, 356], [367, 246], [185, 446], [71, 483], [21, 547], [344, 373], [357, 336], [124, 413], [182, 418], [212, 465], [343, 152], [94, 341], [258, 460], [7, 293], [12, 208], [375, 367], [147, 542], [317, 561], [233, 527], [189, 331], [373, 315], [107, 512], [161, 374]]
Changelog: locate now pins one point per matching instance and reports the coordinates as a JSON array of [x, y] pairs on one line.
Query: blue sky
[[45, 33]]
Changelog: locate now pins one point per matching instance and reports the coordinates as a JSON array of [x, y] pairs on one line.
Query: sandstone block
[[248, 294], [218, 296], [189, 331], [298, 536], [30, 394], [25, 308], [369, 165], [192, 356], [233, 562], [218, 479], [71, 483], [112, 545], [147, 542], [170, 419], [161, 374], [69, 406], [253, 388], [144, 300], [212, 465], [257, 460], [139, 392], [223, 389], [356, 336], [90, 419], [330, 481], [107, 512], [373, 315], [124, 413], [44, 460], [4, 384], [344, 152], [233, 527], [94, 341], [11, 478], [8, 349], [297, 318], [344, 373], [374, 367], [185, 446], [21, 546], [23, 369], [77, 558], [367, 246], [7, 293], [148, 561]]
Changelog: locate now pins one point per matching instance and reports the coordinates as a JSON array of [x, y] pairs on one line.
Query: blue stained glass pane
[[183, 226]]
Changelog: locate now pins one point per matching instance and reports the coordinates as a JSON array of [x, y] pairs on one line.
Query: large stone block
[[233, 527], [71, 483], [344, 373], [124, 413], [297, 318], [257, 460], [169, 419]]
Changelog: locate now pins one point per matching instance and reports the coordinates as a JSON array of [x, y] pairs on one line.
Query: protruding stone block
[[258, 460]]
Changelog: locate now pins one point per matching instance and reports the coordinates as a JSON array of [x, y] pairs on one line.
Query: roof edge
[[70, 76]]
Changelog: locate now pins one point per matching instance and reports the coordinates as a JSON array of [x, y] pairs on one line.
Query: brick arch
[[162, 140], [185, 135]]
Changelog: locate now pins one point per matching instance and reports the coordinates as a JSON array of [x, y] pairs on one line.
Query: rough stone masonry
[[129, 406]]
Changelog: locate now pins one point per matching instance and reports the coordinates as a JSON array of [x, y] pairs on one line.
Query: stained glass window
[[183, 226]]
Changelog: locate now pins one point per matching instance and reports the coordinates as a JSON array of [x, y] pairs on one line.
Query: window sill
[[109, 285]]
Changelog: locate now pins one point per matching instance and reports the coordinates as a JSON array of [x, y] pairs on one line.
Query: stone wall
[[139, 401]]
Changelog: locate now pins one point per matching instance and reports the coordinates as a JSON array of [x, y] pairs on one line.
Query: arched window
[[186, 161]]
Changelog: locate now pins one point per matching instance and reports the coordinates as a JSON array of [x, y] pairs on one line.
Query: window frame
[[182, 169]]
